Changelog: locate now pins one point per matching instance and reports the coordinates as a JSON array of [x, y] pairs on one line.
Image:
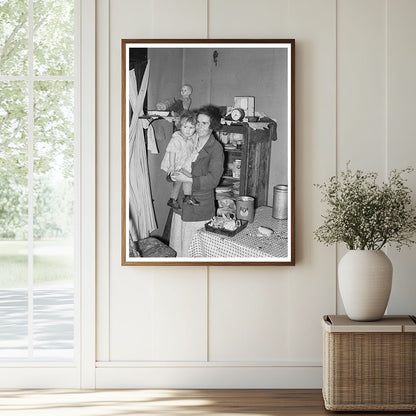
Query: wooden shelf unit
[[255, 155]]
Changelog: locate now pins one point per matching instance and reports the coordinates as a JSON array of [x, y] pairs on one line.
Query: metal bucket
[[279, 210]]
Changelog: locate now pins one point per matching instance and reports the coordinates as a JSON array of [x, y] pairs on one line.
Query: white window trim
[[87, 198], [80, 373]]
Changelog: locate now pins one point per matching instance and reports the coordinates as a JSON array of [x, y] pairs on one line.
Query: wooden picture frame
[[246, 167]]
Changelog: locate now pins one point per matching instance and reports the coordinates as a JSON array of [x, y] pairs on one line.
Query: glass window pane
[[13, 160], [13, 37], [53, 37], [13, 220], [53, 197], [53, 321], [54, 171], [14, 317]]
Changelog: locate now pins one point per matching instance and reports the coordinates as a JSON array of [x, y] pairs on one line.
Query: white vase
[[364, 278]]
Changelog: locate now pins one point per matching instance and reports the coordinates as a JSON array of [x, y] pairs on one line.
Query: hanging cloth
[[151, 139], [142, 216]]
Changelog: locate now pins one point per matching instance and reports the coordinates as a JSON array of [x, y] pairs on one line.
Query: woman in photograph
[[206, 174]]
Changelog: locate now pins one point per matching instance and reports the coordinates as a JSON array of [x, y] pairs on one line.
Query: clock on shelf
[[237, 114]]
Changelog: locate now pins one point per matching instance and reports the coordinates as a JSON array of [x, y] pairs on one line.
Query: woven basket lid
[[389, 323]]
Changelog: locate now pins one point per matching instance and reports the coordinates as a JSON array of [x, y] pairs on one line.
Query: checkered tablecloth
[[246, 243]]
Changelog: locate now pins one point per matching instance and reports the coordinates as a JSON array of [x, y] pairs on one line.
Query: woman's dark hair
[[214, 115]]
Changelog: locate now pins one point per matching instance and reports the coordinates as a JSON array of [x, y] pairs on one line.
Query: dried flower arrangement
[[366, 215]]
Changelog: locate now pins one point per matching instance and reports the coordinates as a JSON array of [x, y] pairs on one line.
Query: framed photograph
[[208, 134]]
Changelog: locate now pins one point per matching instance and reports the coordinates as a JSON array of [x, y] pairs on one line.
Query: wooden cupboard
[[253, 147]]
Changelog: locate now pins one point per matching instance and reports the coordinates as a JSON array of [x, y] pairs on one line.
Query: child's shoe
[[190, 200], [173, 203]]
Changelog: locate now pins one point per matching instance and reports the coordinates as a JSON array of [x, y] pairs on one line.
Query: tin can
[[224, 137], [236, 168], [245, 208], [279, 210]]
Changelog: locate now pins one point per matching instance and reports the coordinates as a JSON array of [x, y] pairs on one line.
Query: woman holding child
[[206, 172]]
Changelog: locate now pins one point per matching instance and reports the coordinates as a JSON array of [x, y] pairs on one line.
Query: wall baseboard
[[210, 377]]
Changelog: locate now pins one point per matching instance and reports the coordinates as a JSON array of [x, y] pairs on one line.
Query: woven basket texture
[[369, 371]]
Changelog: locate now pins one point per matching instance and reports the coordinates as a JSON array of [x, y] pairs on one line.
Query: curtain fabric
[[142, 216]]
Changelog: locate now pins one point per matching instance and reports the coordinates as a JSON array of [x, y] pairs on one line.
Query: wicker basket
[[369, 366]]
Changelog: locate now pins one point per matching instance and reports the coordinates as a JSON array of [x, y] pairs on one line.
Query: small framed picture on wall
[[208, 130]]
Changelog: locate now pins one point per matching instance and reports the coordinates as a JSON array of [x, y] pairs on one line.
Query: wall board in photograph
[[208, 152]]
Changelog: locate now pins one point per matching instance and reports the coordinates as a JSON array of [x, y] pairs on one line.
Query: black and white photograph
[[208, 152]]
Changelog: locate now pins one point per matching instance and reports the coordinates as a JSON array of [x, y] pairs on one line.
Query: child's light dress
[[185, 151]]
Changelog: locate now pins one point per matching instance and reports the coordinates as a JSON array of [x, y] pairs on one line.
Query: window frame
[[81, 371]]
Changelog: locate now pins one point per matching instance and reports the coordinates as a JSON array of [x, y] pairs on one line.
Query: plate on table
[[215, 226]]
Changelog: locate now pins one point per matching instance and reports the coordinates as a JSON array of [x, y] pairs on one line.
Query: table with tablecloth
[[247, 243]]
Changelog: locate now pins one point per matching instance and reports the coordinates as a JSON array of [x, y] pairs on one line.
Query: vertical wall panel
[[234, 19], [361, 84], [248, 314], [177, 19], [361, 89], [103, 169], [312, 282], [159, 316], [401, 142], [140, 326]]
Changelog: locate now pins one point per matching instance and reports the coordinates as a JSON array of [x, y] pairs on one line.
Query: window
[[38, 184]]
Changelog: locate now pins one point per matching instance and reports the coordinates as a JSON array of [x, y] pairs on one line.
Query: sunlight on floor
[[113, 403]]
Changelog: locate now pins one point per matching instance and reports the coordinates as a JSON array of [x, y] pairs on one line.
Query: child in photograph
[[180, 153]]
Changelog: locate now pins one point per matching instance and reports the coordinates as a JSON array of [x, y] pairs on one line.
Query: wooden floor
[[165, 402]]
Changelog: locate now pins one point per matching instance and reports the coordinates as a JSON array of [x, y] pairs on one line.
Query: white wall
[[255, 326]]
